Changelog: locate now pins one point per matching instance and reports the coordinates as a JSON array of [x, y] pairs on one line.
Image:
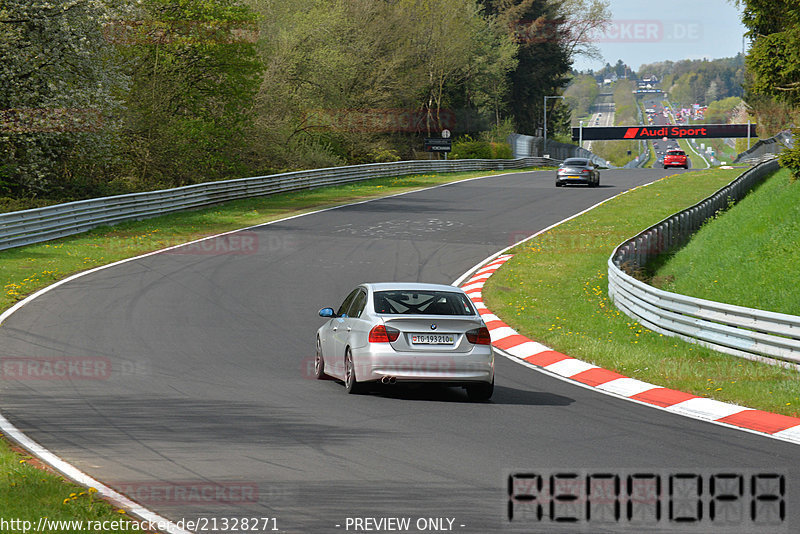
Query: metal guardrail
[[745, 332], [766, 148], [52, 222], [638, 161]]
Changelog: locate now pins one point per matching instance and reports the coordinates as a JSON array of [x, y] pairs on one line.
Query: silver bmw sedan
[[406, 332]]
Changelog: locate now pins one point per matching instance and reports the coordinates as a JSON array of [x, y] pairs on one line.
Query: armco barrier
[[43, 224], [766, 148], [746, 332], [525, 146]]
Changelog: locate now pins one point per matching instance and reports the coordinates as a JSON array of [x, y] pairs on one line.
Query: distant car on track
[[406, 332], [577, 171], [676, 158]]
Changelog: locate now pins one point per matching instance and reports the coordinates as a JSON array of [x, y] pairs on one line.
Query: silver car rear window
[[422, 302]]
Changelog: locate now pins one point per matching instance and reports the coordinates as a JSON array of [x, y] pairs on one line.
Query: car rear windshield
[[676, 153], [573, 161], [422, 302]]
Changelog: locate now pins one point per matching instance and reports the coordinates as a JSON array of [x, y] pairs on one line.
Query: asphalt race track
[[210, 383]]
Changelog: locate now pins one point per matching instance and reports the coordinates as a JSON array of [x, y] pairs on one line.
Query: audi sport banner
[[694, 131]]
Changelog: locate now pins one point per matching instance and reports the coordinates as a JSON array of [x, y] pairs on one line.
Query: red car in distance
[[676, 158]]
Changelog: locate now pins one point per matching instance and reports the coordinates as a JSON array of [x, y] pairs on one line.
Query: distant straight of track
[[209, 410], [602, 115]]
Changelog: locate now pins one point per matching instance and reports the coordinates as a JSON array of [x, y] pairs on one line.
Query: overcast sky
[[646, 31]]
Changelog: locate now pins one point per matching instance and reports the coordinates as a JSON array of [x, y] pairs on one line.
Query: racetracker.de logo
[[50, 120], [65, 368], [191, 32], [239, 243], [614, 31], [567, 241], [380, 120], [431, 367], [189, 492]]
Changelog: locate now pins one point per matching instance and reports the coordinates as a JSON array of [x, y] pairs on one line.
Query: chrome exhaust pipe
[[388, 380], [392, 380]]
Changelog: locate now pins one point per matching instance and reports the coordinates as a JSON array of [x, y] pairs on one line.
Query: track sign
[[693, 131], [437, 144]]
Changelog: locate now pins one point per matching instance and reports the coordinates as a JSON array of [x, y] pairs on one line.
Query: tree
[[345, 80], [712, 93], [194, 72], [58, 86], [487, 82], [580, 95], [720, 111], [773, 62], [549, 34], [445, 40]]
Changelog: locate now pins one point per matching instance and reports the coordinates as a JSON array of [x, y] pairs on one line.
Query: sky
[[647, 31]]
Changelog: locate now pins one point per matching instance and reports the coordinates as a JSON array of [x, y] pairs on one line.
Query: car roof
[[410, 286]]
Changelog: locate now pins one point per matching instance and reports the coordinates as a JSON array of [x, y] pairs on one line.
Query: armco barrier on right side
[[765, 148], [744, 332]]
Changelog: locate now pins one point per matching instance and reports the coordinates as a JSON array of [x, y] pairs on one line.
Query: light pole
[[544, 148]]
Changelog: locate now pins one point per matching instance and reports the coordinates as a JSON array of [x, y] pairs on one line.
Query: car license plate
[[433, 339]]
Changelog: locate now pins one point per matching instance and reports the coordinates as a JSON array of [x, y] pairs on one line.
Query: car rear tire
[[480, 392], [351, 385], [558, 184], [319, 362]]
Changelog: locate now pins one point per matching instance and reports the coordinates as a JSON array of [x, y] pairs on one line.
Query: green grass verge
[[686, 146], [651, 156], [27, 493], [748, 255], [722, 151], [555, 291]]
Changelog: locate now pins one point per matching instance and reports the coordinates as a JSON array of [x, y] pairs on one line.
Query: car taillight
[[383, 334], [479, 336], [585, 170]]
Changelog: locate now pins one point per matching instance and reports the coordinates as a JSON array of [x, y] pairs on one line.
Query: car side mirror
[[327, 312]]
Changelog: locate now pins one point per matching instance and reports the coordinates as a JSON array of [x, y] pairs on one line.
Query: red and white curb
[[509, 341]]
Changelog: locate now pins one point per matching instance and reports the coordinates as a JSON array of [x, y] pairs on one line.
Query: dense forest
[[103, 97]]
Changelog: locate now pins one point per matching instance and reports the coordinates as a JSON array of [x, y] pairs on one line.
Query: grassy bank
[[555, 291], [652, 159], [748, 255]]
